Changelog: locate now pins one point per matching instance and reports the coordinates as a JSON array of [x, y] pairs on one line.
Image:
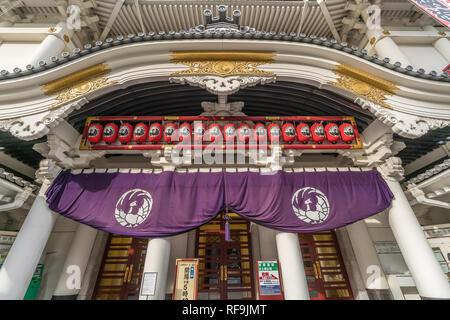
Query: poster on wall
[[149, 284], [269, 280], [186, 279], [437, 9]]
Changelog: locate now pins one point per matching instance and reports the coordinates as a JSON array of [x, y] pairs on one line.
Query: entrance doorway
[[225, 267], [121, 270], [324, 267]]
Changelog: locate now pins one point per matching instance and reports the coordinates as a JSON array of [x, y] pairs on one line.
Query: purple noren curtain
[[159, 205]]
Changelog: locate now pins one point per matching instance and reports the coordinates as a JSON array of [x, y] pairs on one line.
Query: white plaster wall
[[178, 248], [16, 54], [54, 255], [267, 243], [424, 56], [378, 227]]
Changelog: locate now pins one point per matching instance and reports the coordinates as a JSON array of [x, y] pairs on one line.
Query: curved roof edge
[[221, 34]]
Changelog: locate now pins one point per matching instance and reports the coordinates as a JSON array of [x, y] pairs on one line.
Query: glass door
[[121, 270], [324, 267], [225, 268]]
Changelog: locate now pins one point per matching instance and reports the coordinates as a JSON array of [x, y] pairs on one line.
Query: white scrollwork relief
[[35, 126], [222, 85], [405, 125]]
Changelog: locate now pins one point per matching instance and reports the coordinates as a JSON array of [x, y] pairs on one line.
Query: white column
[[430, 280], [442, 45], [22, 259], [72, 274], [52, 45], [293, 274], [256, 253], [368, 262], [386, 47], [157, 260]]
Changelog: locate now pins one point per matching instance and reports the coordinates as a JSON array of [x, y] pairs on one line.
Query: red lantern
[[140, 133], [185, 131], [288, 132], [110, 132], [155, 132], [347, 132], [244, 131], [229, 132], [332, 132], [214, 132], [125, 133], [274, 132], [259, 132], [199, 132], [95, 132], [303, 133], [317, 132], [170, 132]]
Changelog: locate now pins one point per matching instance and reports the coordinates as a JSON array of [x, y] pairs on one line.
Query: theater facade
[[222, 161]]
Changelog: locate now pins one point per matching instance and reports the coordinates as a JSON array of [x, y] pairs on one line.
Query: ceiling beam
[[111, 19], [17, 165], [327, 16], [139, 16], [430, 157]]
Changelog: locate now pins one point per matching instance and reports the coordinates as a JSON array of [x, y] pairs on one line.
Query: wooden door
[[324, 267], [121, 269], [225, 267]]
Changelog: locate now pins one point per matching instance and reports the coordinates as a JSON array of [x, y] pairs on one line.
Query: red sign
[[438, 9]]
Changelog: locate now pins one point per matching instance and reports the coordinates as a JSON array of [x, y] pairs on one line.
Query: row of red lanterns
[[154, 133]]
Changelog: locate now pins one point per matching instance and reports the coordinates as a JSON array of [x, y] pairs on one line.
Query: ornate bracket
[[405, 125], [222, 85], [222, 72], [35, 126], [392, 169]]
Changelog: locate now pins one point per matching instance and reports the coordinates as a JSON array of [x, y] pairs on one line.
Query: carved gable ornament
[[78, 84], [222, 72], [364, 84]]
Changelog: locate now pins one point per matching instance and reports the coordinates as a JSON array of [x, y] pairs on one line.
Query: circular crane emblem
[[133, 208], [310, 205]]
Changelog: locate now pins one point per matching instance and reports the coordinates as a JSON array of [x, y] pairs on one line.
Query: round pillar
[[157, 260], [441, 45], [293, 275], [428, 276], [52, 45], [369, 265], [386, 47], [76, 262], [22, 259]]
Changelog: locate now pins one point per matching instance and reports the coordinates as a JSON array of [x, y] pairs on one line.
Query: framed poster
[[269, 280], [149, 283], [186, 279]]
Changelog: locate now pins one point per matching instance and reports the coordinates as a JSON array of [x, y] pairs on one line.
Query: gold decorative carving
[[78, 84], [364, 84], [386, 32], [222, 63], [442, 33]]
